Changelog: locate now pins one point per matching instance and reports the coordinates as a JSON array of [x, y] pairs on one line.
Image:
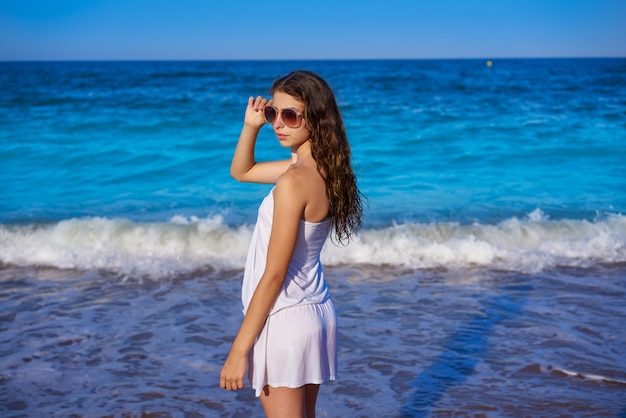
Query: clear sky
[[317, 29]]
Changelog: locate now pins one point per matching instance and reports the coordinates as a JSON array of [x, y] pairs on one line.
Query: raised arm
[[244, 166]]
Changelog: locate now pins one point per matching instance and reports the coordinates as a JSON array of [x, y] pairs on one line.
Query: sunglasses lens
[[269, 113], [290, 117]]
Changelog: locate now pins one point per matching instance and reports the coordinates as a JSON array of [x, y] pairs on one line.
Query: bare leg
[[283, 402], [310, 398], [288, 402]]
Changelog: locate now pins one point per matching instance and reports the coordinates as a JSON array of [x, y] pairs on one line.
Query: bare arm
[[289, 204], [243, 166]]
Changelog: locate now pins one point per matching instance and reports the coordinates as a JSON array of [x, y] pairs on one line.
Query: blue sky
[[319, 29]]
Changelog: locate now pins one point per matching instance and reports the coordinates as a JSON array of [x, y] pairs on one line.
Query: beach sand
[[412, 343]]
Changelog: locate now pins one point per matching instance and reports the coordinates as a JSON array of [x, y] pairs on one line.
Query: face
[[289, 137]]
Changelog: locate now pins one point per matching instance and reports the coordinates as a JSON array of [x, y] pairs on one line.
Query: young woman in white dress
[[287, 340]]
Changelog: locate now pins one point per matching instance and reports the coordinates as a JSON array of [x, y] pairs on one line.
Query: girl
[[287, 340]]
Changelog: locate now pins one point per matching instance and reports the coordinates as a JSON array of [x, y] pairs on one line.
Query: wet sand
[[413, 343]]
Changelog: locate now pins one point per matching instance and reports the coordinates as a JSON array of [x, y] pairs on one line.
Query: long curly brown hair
[[329, 147]]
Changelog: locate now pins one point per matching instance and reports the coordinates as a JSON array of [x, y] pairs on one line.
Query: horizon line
[[486, 58]]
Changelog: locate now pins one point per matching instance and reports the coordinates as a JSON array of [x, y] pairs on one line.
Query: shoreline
[[411, 343]]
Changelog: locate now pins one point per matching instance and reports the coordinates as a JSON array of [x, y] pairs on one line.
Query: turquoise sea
[[489, 278]]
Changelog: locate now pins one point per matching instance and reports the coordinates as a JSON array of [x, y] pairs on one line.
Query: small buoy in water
[[489, 63]]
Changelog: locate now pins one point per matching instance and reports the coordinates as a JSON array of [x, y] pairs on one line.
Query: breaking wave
[[184, 245]]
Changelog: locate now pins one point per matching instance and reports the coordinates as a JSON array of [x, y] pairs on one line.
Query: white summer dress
[[298, 343]]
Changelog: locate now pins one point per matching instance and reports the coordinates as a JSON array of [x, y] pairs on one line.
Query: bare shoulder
[[289, 199], [303, 177], [293, 181], [305, 189]]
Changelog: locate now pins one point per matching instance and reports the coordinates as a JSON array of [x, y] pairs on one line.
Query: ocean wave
[[531, 245], [180, 246], [184, 245]]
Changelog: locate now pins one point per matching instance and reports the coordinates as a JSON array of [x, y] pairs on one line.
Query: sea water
[[488, 279]]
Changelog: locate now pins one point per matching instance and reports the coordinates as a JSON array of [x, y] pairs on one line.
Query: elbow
[[237, 175], [240, 173]]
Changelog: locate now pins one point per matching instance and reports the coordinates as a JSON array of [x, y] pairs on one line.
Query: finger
[[228, 384], [250, 101], [259, 103]]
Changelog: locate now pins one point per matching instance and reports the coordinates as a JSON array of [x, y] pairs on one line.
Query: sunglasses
[[291, 117]]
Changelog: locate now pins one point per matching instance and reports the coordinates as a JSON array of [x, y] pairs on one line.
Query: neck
[[301, 152]]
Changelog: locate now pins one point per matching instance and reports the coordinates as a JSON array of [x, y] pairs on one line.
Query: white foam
[[529, 245], [155, 249], [581, 375], [184, 245]]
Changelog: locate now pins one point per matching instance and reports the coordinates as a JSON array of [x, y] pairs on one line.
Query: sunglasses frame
[[300, 116]]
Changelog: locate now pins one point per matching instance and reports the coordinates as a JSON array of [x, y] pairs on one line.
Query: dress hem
[[294, 386]]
